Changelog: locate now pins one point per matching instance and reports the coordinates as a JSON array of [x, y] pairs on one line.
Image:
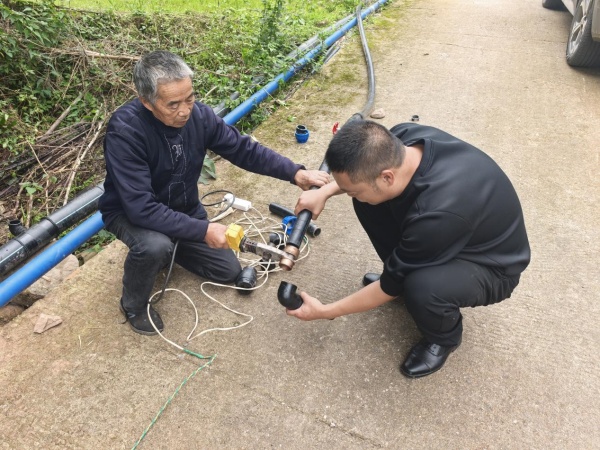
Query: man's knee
[[226, 272], [155, 246]]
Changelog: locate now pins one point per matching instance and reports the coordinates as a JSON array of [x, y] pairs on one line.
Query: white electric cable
[[253, 230]]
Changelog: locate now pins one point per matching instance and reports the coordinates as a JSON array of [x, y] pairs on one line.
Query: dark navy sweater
[[459, 204], [152, 170]]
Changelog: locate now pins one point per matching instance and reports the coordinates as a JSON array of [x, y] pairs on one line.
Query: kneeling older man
[[154, 150]]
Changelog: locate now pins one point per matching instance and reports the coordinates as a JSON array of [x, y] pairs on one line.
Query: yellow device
[[234, 235], [239, 243]]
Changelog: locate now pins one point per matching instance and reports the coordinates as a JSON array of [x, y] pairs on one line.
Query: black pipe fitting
[[277, 239], [16, 228], [287, 296], [313, 229], [35, 238], [246, 280]]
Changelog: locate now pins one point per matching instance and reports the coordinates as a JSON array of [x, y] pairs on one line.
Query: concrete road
[[526, 376]]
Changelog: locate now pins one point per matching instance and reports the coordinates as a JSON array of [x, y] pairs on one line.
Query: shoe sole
[[138, 331]]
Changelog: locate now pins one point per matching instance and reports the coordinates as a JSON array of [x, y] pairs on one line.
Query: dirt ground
[[526, 376]]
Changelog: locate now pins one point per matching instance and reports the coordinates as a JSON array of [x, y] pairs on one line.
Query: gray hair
[[156, 68]]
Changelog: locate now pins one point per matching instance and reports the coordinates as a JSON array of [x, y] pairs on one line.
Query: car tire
[[582, 51], [553, 4]]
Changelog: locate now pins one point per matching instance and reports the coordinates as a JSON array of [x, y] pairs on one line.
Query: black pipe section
[[222, 109], [313, 229], [303, 218], [287, 296], [370, 71], [28, 243]]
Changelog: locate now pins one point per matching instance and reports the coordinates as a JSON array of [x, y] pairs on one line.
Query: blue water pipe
[[248, 105], [50, 257], [47, 259]]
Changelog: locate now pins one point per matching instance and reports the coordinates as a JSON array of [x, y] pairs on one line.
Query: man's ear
[[147, 104], [388, 176]]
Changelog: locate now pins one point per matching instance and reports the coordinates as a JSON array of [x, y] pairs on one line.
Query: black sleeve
[[429, 239]]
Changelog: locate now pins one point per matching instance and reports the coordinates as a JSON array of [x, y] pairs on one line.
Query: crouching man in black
[[442, 216], [154, 150]]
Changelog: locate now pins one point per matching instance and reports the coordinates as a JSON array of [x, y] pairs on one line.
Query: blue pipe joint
[[301, 134], [288, 223]]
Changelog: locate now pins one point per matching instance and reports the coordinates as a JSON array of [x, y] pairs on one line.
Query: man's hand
[[215, 236], [311, 309], [305, 179], [314, 201], [367, 298]]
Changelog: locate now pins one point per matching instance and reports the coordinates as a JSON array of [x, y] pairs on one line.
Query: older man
[[154, 150], [442, 216]]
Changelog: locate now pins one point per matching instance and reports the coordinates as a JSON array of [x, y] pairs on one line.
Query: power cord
[[263, 268], [253, 230]]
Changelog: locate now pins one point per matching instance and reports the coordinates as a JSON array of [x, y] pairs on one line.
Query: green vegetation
[[63, 71]]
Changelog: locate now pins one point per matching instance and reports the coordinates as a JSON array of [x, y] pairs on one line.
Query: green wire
[[192, 375]]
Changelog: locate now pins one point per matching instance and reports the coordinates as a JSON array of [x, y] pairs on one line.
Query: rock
[[379, 113], [86, 255], [45, 322]]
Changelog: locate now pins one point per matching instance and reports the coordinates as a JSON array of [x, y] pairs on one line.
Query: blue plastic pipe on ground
[[50, 257]]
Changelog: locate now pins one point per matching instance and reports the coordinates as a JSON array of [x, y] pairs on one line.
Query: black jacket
[[152, 170], [459, 204]]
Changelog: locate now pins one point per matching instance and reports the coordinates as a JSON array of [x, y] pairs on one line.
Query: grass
[[173, 6], [324, 11]]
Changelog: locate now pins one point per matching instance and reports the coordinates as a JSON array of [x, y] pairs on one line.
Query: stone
[[379, 113], [45, 322]]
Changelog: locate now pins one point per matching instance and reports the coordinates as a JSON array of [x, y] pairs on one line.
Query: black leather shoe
[[425, 358], [140, 323], [370, 278]]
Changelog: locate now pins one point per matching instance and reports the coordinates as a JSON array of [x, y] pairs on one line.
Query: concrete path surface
[[491, 72]]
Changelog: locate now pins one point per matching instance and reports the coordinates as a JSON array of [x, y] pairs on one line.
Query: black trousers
[[434, 295], [150, 251]]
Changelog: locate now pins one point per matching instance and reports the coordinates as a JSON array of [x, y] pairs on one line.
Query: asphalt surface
[[491, 72]]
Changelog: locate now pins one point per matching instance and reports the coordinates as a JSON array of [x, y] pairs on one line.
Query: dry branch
[[79, 160], [63, 115], [93, 54]]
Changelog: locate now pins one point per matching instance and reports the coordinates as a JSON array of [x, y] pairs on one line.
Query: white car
[[583, 46]]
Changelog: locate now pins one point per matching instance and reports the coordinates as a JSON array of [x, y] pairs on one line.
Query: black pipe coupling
[[246, 280]]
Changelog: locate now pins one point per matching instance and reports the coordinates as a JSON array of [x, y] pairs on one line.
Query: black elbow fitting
[[16, 228], [287, 296], [268, 264]]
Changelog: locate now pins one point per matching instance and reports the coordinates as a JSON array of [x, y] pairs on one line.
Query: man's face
[[174, 103], [372, 193]]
